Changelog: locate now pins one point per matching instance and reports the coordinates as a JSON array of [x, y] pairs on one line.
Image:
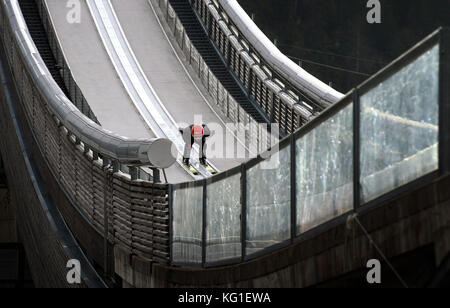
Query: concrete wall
[[45, 237]]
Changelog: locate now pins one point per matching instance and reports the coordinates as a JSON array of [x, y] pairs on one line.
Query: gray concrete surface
[[165, 72], [94, 72], [97, 78], [182, 95]]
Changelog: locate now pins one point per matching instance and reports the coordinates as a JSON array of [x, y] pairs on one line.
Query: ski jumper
[[195, 134]]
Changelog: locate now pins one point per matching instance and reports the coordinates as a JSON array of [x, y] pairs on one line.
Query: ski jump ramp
[[133, 77]]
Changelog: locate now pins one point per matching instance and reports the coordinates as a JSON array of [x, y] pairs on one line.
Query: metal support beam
[[170, 224], [134, 173], [293, 190], [243, 210], [444, 101], [204, 222], [356, 150], [116, 166], [156, 175]]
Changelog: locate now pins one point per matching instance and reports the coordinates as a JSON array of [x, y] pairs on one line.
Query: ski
[[209, 168], [191, 169]]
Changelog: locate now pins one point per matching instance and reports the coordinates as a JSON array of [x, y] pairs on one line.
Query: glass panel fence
[[269, 202], [399, 127], [324, 166], [399, 142], [223, 222], [187, 210]]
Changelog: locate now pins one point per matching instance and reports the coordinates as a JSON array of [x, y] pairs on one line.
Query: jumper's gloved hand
[[206, 131]]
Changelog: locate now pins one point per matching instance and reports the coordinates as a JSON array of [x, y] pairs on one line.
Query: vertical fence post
[[204, 224], [250, 84], [175, 27], [272, 106], [105, 223], [134, 173], [243, 210], [293, 189], [116, 166], [444, 101], [217, 90], [182, 38], [156, 175], [356, 150], [228, 47], [62, 71], [228, 104], [170, 224], [238, 112], [167, 10]]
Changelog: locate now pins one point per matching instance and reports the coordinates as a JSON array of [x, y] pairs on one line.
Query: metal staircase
[[36, 28], [199, 38]]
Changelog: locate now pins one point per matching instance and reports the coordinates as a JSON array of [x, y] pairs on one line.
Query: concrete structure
[[412, 231], [71, 202], [164, 69]]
